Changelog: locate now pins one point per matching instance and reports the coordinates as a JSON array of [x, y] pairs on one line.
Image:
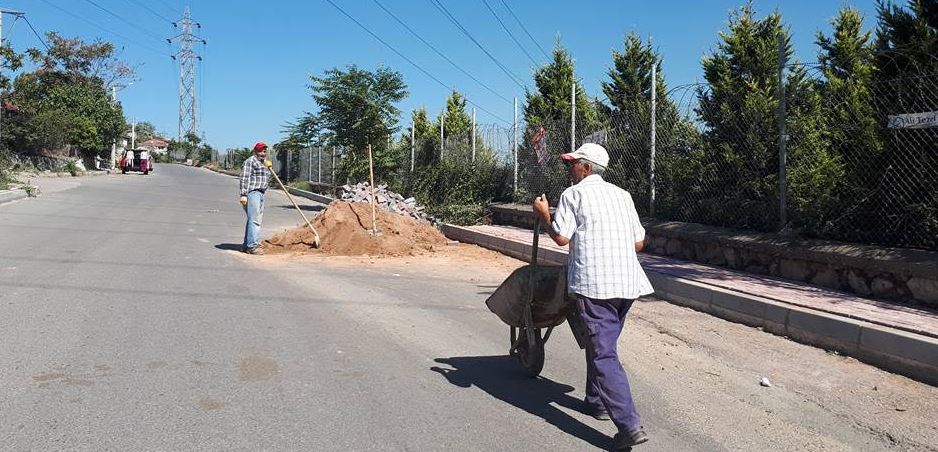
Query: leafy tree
[[64, 103], [80, 60], [356, 107], [739, 111], [10, 61], [547, 114], [427, 139], [145, 130]]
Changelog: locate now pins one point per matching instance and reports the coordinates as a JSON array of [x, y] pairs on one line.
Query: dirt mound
[[345, 230]]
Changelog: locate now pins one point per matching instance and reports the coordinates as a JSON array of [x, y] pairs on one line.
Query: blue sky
[[259, 55]]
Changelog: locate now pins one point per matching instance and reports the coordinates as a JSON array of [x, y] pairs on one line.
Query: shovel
[[316, 242]]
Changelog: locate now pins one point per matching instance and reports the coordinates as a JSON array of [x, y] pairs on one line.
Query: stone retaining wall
[[904, 275]]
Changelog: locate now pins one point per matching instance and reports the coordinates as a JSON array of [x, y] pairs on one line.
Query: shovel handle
[[290, 197]]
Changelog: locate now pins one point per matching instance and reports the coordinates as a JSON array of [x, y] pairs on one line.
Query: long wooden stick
[[374, 214], [316, 241]]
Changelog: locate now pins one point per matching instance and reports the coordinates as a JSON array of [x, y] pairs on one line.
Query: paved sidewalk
[[902, 317], [898, 338]]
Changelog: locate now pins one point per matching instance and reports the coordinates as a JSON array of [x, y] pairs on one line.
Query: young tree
[[628, 121], [357, 107], [456, 121], [739, 109], [547, 113], [853, 127]]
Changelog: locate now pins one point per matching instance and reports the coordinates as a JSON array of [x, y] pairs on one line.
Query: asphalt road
[[129, 322]]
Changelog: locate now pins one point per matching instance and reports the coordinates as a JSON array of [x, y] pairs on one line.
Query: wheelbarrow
[[532, 301]]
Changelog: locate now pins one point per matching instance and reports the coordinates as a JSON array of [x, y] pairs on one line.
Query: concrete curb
[[293, 191], [323, 199], [909, 354], [12, 195]]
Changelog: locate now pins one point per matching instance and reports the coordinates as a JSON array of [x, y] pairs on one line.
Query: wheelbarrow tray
[[550, 306]]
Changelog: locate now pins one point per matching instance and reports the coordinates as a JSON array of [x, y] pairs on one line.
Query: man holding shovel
[[255, 178], [599, 222]]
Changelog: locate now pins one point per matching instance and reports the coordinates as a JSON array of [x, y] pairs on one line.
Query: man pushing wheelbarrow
[[603, 278]]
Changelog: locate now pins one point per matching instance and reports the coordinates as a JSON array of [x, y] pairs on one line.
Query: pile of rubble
[[385, 199]]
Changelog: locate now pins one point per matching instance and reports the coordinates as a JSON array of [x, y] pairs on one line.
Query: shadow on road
[[229, 246], [306, 208], [502, 378]]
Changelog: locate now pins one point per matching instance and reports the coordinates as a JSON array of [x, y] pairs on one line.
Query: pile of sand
[[345, 230]]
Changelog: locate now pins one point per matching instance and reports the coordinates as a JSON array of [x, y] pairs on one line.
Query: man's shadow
[[502, 378]]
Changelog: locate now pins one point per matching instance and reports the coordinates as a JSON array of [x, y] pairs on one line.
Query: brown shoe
[[257, 251]]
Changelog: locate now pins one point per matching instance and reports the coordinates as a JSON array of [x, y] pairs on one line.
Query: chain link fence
[[860, 165], [856, 163]]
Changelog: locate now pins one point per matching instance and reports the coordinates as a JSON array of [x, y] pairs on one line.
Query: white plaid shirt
[[600, 220], [254, 175]]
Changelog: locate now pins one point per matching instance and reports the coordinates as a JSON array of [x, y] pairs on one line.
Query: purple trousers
[[607, 385]]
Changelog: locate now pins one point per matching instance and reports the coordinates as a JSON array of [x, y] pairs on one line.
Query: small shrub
[[72, 168]]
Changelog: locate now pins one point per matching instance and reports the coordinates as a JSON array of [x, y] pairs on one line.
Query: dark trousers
[[607, 385]]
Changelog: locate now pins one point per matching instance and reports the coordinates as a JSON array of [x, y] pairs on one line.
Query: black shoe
[[625, 442]]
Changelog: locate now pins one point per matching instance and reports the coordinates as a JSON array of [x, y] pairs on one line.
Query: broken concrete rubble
[[385, 199]]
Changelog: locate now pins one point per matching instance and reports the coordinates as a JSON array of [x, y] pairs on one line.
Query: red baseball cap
[[260, 145]]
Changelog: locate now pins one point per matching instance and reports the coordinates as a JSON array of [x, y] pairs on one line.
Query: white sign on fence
[[598, 137], [914, 120]]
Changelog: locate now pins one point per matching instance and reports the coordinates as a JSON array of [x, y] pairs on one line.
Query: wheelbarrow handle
[[537, 235]]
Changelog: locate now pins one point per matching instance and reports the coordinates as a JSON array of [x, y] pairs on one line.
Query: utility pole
[[133, 134], [188, 110], [16, 14]]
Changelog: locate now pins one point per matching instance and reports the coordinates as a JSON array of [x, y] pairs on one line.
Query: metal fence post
[[473, 134], [413, 147], [782, 137], [651, 159], [573, 114], [514, 139], [319, 167]]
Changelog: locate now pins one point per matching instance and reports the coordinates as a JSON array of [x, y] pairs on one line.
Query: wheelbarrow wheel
[[531, 355]]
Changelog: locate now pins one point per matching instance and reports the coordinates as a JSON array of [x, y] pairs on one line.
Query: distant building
[[155, 145]]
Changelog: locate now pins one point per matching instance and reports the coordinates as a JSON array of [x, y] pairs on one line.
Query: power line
[[168, 6], [421, 69], [510, 34], [43, 41], [144, 6], [16, 18], [441, 54], [525, 29], [136, 26], [439, 6], [107, 30]]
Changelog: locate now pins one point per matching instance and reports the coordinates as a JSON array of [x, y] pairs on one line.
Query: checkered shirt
[[600, 220], [254, 175]]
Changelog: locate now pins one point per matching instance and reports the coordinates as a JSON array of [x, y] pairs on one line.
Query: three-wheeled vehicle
[[136, 160]]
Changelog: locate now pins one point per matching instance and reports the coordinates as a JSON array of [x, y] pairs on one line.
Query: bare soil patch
[[345, 230]]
